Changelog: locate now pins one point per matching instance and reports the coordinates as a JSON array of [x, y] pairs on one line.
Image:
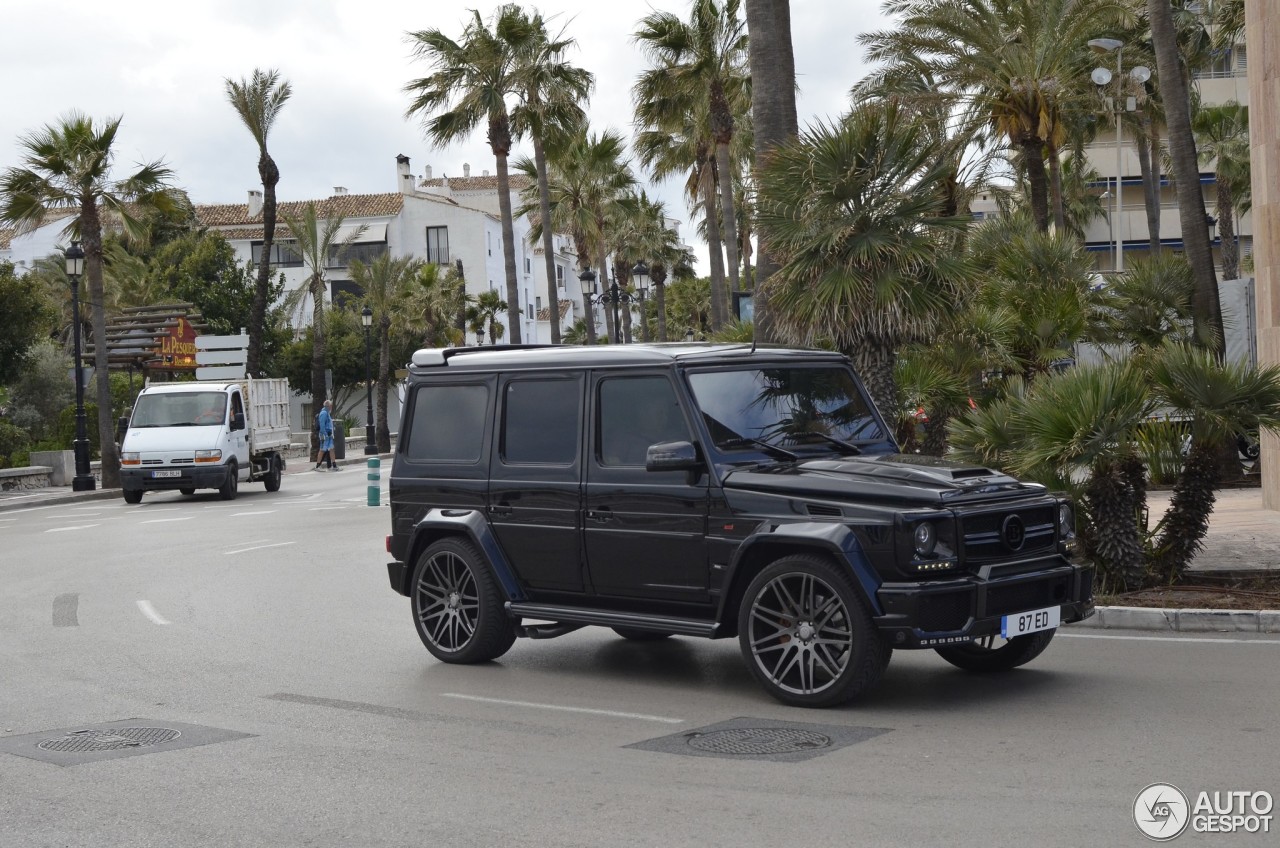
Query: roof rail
[[429, 356]]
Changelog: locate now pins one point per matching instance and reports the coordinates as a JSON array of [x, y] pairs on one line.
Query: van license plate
[[155, 474], [1030, 622]]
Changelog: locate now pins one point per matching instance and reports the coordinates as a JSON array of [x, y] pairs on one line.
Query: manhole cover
[[758, 740], [85, 741]]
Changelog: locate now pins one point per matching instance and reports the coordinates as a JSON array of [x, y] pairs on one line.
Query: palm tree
[[472, 81], [1176, 97], [701, 61], [66, 167], [650, 240], [435, 300], [485, 311], [854, 214], [1222, 137], [551, 92], [388, 289], [1010, 61], [316, 241], [1147, 305], [258, 101]]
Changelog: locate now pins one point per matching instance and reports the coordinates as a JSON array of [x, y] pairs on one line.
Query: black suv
[[711, 490]]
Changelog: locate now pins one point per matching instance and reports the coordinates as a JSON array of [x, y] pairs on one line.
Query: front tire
[[133, 496], [272, 480], [457, 605], [806, 633], [231, 487], [987, 655]]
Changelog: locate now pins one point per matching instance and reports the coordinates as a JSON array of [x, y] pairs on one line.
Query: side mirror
[[672, 456], [122, 426], [237, 421]]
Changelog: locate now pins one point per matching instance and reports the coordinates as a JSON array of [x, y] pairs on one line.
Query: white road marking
[[73, 527], [150, 612], [162, 520], [322, 508], [162, 509], [29, 509], [257, 548], [8, 519], [73, 517], [261, 512], [1170, 639], [560, 708]]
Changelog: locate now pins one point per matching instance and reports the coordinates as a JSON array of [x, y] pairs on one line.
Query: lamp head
[[366, 316], [75, 260], [588, 280], [1105, 45]]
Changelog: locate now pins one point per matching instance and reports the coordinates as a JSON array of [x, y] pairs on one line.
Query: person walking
[[324, 422]]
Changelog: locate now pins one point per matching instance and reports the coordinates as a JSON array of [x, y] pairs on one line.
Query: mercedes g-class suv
[[715, 491]]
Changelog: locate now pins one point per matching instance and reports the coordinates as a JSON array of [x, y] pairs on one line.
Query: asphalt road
[[271, 616]]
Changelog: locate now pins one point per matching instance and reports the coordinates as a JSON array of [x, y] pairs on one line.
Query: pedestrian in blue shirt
[[324, 422]]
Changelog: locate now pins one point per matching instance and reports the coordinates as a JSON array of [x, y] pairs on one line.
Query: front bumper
[[190, 477], [926, 615]]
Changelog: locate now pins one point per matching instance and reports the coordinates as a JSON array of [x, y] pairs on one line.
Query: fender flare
[[838, 540], [472, 524]]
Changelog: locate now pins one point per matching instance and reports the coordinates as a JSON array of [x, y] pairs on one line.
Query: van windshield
[[180, 409], [785, 407]]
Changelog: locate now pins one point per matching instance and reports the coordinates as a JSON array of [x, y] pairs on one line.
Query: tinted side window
[[634, 413], [448, 423], [541, 422]]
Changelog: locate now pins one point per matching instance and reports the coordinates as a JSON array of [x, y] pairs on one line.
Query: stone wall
[[1263, 38], [27, 477]]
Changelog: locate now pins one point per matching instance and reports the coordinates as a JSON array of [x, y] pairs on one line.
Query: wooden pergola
[[152, 338]]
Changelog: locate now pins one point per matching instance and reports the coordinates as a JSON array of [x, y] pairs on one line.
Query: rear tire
[[133, 496], [636, 635], [272, 480], [458, 608], [231, 487], [986, 655], [806, 633]]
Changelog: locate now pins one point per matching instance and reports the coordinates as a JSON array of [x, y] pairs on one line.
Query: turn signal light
[[131, 458], [208, 456]]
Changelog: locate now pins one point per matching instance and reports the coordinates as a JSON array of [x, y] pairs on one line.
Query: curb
[[1182, 620], [57, 500]]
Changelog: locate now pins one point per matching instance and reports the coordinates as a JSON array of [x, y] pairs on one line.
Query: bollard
[[375, 475]]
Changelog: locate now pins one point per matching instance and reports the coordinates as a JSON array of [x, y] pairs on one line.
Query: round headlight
[[1066, 520], [925, 537]]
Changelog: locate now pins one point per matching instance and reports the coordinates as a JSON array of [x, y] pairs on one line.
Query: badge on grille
[[1014, 533]]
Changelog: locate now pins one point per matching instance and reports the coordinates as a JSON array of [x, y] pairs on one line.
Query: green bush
[[14, 445], [1160, 445]]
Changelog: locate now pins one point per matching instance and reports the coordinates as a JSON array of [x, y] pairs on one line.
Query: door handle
[[500, 509], [600, 515]]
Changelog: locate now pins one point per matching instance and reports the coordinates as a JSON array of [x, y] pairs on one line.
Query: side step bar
[[611, 618]]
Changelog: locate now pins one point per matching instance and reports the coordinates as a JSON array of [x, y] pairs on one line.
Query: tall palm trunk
[[1206, 310], [722, 129], [660, 303], [773, 111], [1033, 152], [603, 265], [1055, 190], [873, 360], [548, 248], [1150, 183], [624, 280], [719, 296], [91, 232], [270, 175], [384, 384], [1227, 232], [500, 141], [319, 347]]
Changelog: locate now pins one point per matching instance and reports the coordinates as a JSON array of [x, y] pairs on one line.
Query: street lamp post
[[1102, 76], [587, 279], [610, 297], [641, 275], [83, 481], [370, 440]]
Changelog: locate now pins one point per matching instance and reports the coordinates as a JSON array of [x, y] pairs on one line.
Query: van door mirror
[[672, 456], [122, 426], [237, 421]]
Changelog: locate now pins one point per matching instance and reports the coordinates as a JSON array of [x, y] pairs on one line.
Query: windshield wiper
[[768, 447], [847, 447]]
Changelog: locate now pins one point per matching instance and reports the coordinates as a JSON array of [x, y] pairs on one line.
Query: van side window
[[448, 423], [634, 413], [237, 407], [540, 422]]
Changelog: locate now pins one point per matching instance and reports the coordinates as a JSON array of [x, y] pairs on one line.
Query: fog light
[[926, 539]]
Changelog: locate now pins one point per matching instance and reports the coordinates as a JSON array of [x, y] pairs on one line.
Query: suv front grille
[[941, 611], [1029, 595], [984, 533]]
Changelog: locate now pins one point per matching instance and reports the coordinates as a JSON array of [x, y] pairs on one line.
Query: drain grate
[[758, 740], [88, 741], [761, 739]]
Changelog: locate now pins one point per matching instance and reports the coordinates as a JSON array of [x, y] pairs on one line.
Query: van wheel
[[272, 480], [133, 496], [992, 653], [231, 487], [457, 605], [806, 634], [187, 491], [637, 635]]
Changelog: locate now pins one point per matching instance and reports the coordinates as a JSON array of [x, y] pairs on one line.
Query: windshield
[[180, 409], [785, 407]]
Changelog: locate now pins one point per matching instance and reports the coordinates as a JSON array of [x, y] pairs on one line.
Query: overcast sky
[[162, 64]]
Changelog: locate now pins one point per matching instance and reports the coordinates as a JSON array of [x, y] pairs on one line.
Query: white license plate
[[1023, 623], [155, 474]]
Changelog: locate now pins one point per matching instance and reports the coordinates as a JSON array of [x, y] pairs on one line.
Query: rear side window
[[448, 423], [541, 422]]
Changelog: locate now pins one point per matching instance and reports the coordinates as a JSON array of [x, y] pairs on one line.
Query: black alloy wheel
[[458, 606]]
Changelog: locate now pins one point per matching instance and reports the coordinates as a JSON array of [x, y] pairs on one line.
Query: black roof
[[507, 357]]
